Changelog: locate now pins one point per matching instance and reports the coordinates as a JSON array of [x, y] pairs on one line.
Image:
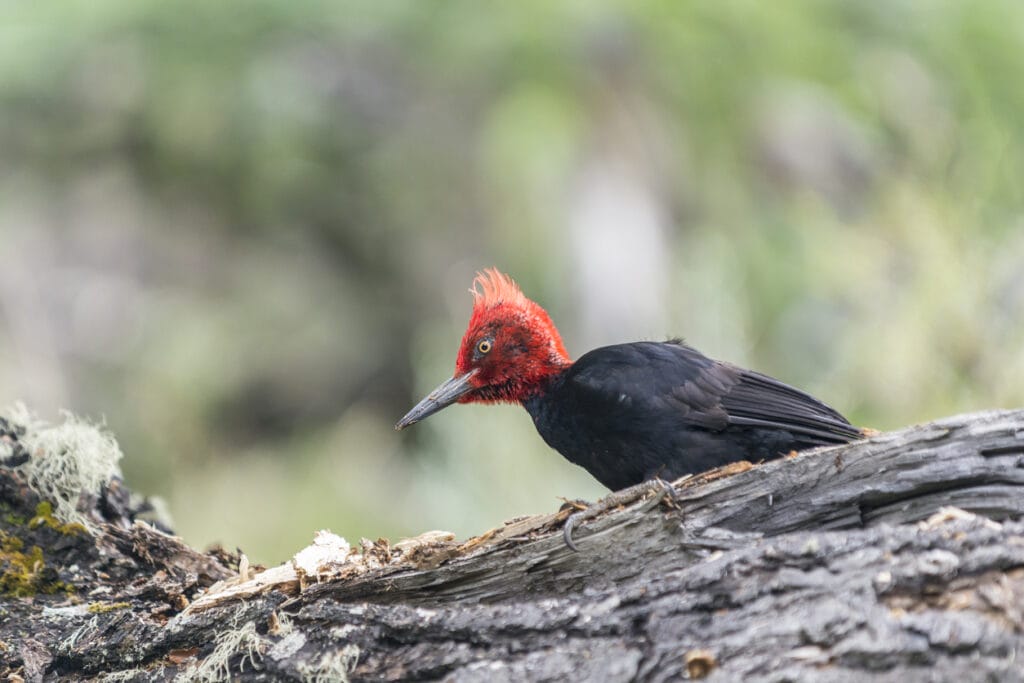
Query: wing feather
[[671, 379], [759, 400]]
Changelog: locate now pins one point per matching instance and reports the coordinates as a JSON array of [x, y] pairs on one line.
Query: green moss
[[14, 520], [23, 570], [10, 544], [23, 573], [19, 568], [44, 517], [104, 607]]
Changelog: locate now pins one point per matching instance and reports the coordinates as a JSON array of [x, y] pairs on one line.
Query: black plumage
[[632, 412]]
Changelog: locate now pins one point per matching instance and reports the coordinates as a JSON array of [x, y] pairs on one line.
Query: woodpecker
[[627, 413]]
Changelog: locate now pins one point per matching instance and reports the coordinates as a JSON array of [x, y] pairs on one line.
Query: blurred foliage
[[243, 231]]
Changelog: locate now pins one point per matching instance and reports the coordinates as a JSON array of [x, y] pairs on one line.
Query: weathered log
[[900, 557]]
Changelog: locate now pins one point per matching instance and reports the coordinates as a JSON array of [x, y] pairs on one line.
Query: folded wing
[[675, 381]]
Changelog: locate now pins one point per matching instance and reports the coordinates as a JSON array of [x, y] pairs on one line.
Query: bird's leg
[[615, 499]]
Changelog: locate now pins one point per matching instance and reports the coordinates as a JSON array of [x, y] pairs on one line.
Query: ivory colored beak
[[448, 393]]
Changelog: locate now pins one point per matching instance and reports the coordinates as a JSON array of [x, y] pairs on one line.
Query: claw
[[570, 524], [616, 499], [668, 491]]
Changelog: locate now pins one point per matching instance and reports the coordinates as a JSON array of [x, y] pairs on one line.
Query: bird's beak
[[448, 393]]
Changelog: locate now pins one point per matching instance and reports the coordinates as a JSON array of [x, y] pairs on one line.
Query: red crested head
[[510, 344], [509, 350]]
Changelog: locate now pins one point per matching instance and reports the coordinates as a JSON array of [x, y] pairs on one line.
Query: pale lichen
[[66, 460], [120, 676], [92, 625], [235, 640], [333, 665]]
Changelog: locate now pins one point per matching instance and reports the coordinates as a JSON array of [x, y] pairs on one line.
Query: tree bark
[[896, 558]]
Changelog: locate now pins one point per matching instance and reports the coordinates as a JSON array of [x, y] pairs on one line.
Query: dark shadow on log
[[896, 558]]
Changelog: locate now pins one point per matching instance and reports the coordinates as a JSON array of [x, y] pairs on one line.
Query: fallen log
[[899, 557]]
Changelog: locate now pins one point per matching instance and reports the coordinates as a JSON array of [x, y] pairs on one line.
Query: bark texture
[[899, 558]]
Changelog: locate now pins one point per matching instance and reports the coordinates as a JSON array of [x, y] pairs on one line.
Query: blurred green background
[[242, 233]]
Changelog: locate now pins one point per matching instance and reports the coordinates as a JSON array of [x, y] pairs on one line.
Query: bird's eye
[[484, 346]]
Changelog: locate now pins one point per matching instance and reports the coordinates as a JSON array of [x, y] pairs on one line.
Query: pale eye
[[484, 346]]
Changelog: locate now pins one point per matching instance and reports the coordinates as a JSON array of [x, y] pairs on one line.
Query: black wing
[[653, 378], [762, 401]]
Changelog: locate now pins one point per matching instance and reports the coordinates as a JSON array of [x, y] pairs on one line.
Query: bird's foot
[[662, 488]]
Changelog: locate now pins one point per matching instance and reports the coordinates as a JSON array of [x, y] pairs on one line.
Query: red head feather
[[492, 287], [510, 352], [524, 347]]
